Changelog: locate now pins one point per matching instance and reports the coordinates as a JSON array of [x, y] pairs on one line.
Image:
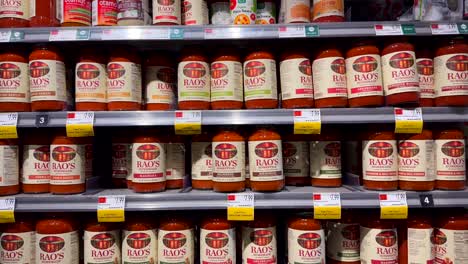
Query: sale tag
[[7, 210], [307, 121], [327, 205], [408, 121], [444, 29], [80, 124], [187, 122], [111, 208], [69, 34], [240, 206], [291, 32], [8, 124], [393, 205]]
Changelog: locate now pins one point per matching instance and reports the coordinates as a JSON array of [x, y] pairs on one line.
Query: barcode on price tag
[[69, 34], [80, 124], [187, 122], [291, 32], [240, 206], [8, 124], [111, 208], [444, 29], [7, 210], [307, 121], [327, 205], [393, 205], [408, 121]]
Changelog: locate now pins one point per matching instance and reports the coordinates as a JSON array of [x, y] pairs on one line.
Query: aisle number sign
[[111, 208], [8, 124], [307, 121], [7, 210], [327, 205], [240, 206], [80, 124], [393, 205], [408, 121], [187, 122]]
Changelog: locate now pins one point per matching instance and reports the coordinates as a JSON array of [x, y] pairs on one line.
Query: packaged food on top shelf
[[104, 13], [220, 13], [74, 13], [195, 12], [160, 82], [295, 11], [14, 81], [133, 13], [14, 14], [43, 13], [266, 12], [243, 12], [166, 12], [425, 66], [327, 11], [9, 165]]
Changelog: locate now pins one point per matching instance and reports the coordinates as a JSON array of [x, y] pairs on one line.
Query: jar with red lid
[[425, 66], [329, 78], [43, 13], [90, 81], [266, 160], [379, 240], [328, 11], [176, 240], [343, 239], [451, 226], [416, 170], [121, 160], [14, 14], [18, 240], [47, 79], [140, 240], [296, 159], [202, 162], [306, 239], [297, 90], [124, 90], [259, 243], [160, 82], [101, 242], [193, 76], [74, 13], [227, 90], [228, 161], [260, 86], [14, 81], [36, 163], [167, 13], [450, 160], [415, 239], [325, 159], [451, 73], [400, 76], [364, 75], [148, 162], [9, 182], [175, 162], [379, 160], [217, 240]]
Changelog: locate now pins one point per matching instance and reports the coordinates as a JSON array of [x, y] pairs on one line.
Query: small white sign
[[9, 119], [388, 30], [444, 29], [291, 32]]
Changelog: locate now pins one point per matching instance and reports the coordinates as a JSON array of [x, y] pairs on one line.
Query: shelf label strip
[[7, 210], [8, 125], [408, 121], [80, 124], [394, 29], [327, 205], [69, 34], [444, 29], [240, 206], [393, 205], [111, 208], [291, 32], [187, 122], [307, 121]]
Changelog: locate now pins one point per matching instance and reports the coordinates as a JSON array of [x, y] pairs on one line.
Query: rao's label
[[364, 76], [47, 80], [14, 9], [90, 82], [166, 11], [325, 159], [306, 247], [160, 83], [450, 246], [329, 77], [17, 248], [399, 72], [265, 159], [36, 161], [451, 74], [450, 159], [67, 164], [379, 246], [379, 160], [229, 161], [296, 79], [139, 246], [259, 245], [102, 247], [121, 160], [194, 81], [343, 242], [58, 248], [226, 81], [124, 82], [425, 68], [296, 158], [416, 160], [260, 79], [14, 80], [202, 162], [176, 246], [217, 246], [148, 162]]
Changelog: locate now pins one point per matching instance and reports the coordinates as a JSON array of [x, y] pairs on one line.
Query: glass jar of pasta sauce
[[160, 82], [450, 226], [202, 162], [101, 242], [425, 66], [121, 160], [14, 81], [140, 240], [259, 240], [450, 159], [36, 163], [306, 239], [90, 81], [14, 14], [18, 240], [325, 159], [226, 80], [296, 159], [297, 88], [176, 240], [379, 240], [217, 240]]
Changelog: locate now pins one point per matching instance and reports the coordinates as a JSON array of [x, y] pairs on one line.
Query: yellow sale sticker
[[80, 124], [8, 124], [7, 210], [393, 205], [307, 121], [111, 208], [408, 121], [187, 122], [327, 205], [240, 207]]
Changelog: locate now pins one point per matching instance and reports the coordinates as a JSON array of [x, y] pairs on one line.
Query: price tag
[[111, 208], [444, 29], [408, 121], [327, 205], [216, 33], [8, 123], [5, 36], [291, 32], [42, 120], [69, 34], [240, 206], [7, 210], [426, 200], [388, 30], [307, 121], [80, 124], [393, 205], [187, 122]]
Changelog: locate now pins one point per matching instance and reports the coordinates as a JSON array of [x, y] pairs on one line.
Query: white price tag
[[444, 29], [111, 208], [80, 124], [393, 205], [5, 36], [240, 206], [155, 33], [8, 124], [388, 30], [7, 210], [291, 32], [408, 120], [216, 33], [187, 122], [307, 121], [68, 34], [327, 205]]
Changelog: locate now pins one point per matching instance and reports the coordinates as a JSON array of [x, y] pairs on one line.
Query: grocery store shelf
[[187, 199], [249, 117]]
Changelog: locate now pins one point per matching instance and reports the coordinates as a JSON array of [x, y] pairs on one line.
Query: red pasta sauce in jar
[[121, 160], [36, 163], [14, 81], [14, 14], [259, 243], [160, 82], [176, 240], [343, 239], [101, 242], [306, 239], [450, 152], [425, 66], [175, 162], [90, 81], [17, 240], [202, 162], [296, 159], [415, 238], [297, 88], [140, 240], [325, 160], [226, 80], [193, 76], [44, 13], [217, 240], [451, 229], [379, 240], [9, 162]]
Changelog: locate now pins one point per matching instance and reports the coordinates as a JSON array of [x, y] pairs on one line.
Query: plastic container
[[343, 239], [140, 240], [202, 162], [175, 162], [121, 160], [379, 242], [43, 13], [74, 13], [166, 12], [193, 80], [259, 243], [450, 227], [36, 163], [176, 240], [18, 241], [14, 14], [328, 11], [450, 154], [425, 66], [160, 82], [102, 243], [14, 81], [297, 88], [217, 240], [306, 239], [90, 81], [296, 160], [325, 160]]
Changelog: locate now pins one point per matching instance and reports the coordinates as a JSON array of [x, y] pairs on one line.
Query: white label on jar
[[364, 76], [124, 82], [399, 73], [47, 80], [140, 246], [14, 9], [194, 12], [148, 162], [379, 160], [425, 68], [450, 246], [266, 161], [420, 247], [166, 11], [259, 245], [226, 81], [295, 158], [102, 247], [325, 159], [243, 12], [175, 161], [296, 11], [194, 81], [218, 246], [68, 164], [36, 161], [296, 79], [451, 74], [58, 248], [160, 84], [266, 13], [450, 159], [202, 163], [343, 242], [229, 161], [176, 246], [416, 160], [121, 160], [306, 246], [379, 246], [329, 78], [17, 248], [14, 81], [9, 171], [90, 82], [324, 8], [260, 79]]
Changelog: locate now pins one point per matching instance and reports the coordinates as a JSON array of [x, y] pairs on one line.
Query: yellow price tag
[[187, 122], [111, 208], [240, 207], [80, 124], [393, 205], [307, 121], [7, 210], [408, 121], [8, 124], [327, 205]]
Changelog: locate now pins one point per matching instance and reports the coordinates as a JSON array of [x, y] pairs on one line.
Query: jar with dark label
[[259, 243], [90, 81], [425, 66], [139, 240], [296, 159], [9, 166], [101, 243], [217, 240], [306, 240], [325, 160], [175, 162], [176, 240], [17, 241], [297, 88], [14, 81], [160, 82], [202, 162], [193, 76], [36, 163], [121, 160], [450, 160], [343, 243]]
